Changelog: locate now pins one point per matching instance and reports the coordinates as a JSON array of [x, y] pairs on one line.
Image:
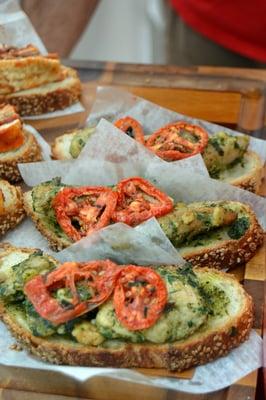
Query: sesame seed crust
[[30, 151], [14, 213], [229, 253], [56, 243], [200, 348], [251, 181]]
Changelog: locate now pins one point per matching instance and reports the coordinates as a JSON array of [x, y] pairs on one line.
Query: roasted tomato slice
[[80, 211], [84, 285], [139, 200], [139, 298], [11, 132], [177, 141], [131, 127]]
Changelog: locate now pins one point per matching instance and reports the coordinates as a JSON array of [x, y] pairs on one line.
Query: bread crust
[[30, 151], [200, 348], [51, 97], [57, 150], [56, 243], [252, 180], [14, 213], [229, 253]]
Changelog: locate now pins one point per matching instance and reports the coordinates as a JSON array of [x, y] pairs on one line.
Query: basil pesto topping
[[223, 152]]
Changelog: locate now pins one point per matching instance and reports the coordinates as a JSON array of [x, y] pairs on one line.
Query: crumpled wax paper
[[114, 103], [146, 244], [16, 29]]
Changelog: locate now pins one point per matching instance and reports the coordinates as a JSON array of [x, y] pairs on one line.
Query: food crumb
[[15, 346]]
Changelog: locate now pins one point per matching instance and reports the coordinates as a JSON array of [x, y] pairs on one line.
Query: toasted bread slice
[[247, 174], [48, 97], [30, 151], [219, 334], [11, 206], [217, 250], [70, 145], [220, 251], [57, 243], [25, 68]]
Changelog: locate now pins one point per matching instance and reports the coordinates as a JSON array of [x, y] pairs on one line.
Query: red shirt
[[238, 25]]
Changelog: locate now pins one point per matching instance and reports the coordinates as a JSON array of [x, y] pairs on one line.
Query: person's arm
[[59, 23]]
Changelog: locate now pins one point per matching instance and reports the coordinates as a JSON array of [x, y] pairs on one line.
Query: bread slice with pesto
[[227, 157], [11, 206], [223, 247], [227, 232], [37, 204], [207, 314]]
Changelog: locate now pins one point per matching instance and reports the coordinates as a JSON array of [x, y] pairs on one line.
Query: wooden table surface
[[234, 97]]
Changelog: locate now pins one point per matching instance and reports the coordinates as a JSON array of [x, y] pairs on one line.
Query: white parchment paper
[[45, 148], [16, 29], [145, 244], [114, 103]]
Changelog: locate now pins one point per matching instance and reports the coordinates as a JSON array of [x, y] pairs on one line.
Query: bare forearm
[[59, 23]]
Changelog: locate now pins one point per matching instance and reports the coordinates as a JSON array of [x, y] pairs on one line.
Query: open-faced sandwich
[[11, 206], [17, 145], [227, 157], [99, 313], [216, 234], [36, 83]]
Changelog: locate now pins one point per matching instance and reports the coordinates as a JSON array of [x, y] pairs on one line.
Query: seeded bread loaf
[[48, 97], [11, 206]]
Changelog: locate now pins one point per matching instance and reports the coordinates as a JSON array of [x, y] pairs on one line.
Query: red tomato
[[98, 277], [139, 298], [80, 211], [131, 127], [178, 140], [139, 200]]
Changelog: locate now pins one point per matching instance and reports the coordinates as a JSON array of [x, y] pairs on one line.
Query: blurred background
[[181, 32]]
